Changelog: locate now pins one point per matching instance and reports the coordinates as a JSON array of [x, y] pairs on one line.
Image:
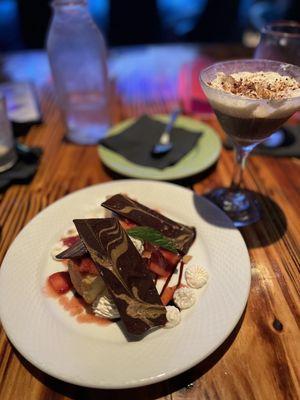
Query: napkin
[[24, 169], [135, 143]]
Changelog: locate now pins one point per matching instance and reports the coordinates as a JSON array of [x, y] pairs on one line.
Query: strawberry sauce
[[69, 241], [76, 307]]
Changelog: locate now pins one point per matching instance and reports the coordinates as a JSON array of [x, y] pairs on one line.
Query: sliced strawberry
[[60, 282], [69, 241], [168, 294], [171, 258], [157, 269], [158, 264], [126, 224], [88, 265]]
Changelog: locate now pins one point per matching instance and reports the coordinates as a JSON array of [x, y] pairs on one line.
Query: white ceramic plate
[[100, 357]]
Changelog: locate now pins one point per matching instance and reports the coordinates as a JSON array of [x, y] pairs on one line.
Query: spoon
[[164, 145]]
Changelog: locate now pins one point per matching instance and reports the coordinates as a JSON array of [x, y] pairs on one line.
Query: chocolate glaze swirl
[[182, 235], [124, 272]]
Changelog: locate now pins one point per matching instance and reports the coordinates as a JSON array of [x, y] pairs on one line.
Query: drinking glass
[[279, 41], [248, 122]]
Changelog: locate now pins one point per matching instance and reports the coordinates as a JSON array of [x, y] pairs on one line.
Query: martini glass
[[248, 122]]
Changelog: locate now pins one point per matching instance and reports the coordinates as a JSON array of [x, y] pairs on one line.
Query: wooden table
[[260, 359]]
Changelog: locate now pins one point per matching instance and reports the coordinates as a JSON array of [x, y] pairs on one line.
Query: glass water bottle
[[77, 56]]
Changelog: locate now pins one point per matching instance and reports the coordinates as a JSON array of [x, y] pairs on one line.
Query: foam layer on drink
[[254, 94]]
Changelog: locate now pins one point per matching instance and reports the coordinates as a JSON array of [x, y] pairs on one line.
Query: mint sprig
[[153, 236]]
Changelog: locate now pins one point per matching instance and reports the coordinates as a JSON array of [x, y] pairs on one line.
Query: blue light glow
[[180, 16], [9, 28], [100, 10]]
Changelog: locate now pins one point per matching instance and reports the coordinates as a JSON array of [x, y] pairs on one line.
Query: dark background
[[24, 23]]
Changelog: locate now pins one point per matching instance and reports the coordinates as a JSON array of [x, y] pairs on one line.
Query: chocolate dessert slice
[[124, 272], [182, 235], [77, 249]]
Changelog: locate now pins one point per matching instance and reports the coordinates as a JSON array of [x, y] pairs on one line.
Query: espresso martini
[[251, 99], [250, 121]]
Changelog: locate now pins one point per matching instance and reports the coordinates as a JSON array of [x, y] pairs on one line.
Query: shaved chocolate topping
[[182, 235], [124, 272]]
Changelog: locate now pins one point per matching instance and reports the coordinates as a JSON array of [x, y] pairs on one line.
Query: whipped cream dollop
[[277, 96], [268, 85], [184, 298], [196, 277], [104, 306], [173, 316]]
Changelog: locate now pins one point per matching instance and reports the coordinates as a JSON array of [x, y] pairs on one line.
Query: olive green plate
[[203, 155]]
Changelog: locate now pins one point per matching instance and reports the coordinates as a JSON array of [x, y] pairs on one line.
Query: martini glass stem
[[238, 203], [241, 155]]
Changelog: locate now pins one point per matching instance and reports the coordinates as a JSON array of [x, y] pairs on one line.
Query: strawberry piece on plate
[[60, 282], [126, 224], [172, 258], [168, 294], [158, 264]]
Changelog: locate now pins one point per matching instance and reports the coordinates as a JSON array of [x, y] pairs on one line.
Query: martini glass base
[[240, 205]]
